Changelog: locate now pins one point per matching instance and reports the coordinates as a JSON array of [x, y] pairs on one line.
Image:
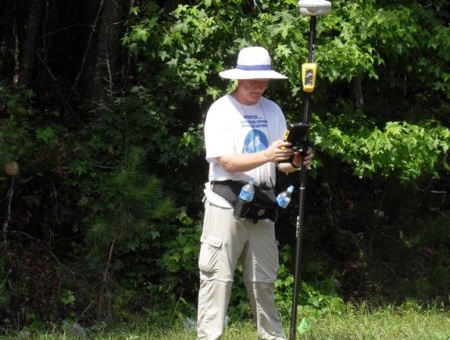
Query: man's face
[[251, 90]]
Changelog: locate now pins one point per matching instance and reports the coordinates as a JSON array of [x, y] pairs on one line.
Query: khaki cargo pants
[[224, 242]]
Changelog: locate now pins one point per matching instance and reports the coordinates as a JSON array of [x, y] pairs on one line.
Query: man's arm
[[278, 151]]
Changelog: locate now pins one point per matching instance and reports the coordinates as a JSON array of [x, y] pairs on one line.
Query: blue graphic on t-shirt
[[255, 141]]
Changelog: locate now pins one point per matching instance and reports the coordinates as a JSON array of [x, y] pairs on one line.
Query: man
[[244, 140]]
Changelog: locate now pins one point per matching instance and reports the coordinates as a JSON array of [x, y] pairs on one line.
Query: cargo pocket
[[209, 253]]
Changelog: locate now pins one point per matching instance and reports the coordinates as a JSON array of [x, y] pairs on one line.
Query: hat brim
[[237, 74]]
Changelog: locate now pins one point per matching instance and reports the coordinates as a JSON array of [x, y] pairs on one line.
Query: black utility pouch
[[263, 205], [241, 209]]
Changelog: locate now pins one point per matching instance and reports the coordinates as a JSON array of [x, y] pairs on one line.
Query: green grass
[[383, 324], [352, 324]]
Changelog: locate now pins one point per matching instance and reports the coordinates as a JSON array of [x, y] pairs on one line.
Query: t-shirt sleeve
[[218, 134]]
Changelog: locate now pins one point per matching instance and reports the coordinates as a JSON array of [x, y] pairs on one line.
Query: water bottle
[[284, 198], [247, 192], [243, 203]]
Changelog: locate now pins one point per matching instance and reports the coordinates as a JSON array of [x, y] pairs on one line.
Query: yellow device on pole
[[309, 74]]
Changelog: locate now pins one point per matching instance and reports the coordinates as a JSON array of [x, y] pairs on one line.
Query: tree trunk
[[358, 92], [30, 44], [7, 41], [102, 75]]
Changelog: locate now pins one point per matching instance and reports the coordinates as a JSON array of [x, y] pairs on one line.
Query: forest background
[[101, 112]]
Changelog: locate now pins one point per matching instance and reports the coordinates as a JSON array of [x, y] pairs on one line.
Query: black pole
[[302, 193]]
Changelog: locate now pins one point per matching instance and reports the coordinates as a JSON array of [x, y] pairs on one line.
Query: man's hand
[[297, 161], [279, 151]]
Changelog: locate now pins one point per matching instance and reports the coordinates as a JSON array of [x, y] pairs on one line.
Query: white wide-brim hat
[[252, 63]]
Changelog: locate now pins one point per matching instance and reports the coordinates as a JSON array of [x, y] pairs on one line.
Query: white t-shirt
[[234, 128]]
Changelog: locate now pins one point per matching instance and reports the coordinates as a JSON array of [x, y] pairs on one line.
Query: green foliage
[[439, 44], [132, 204], [16, 133], [67, 297], [180, 260], [406, 151], [320, 296], [129, 213], [351, 51]]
